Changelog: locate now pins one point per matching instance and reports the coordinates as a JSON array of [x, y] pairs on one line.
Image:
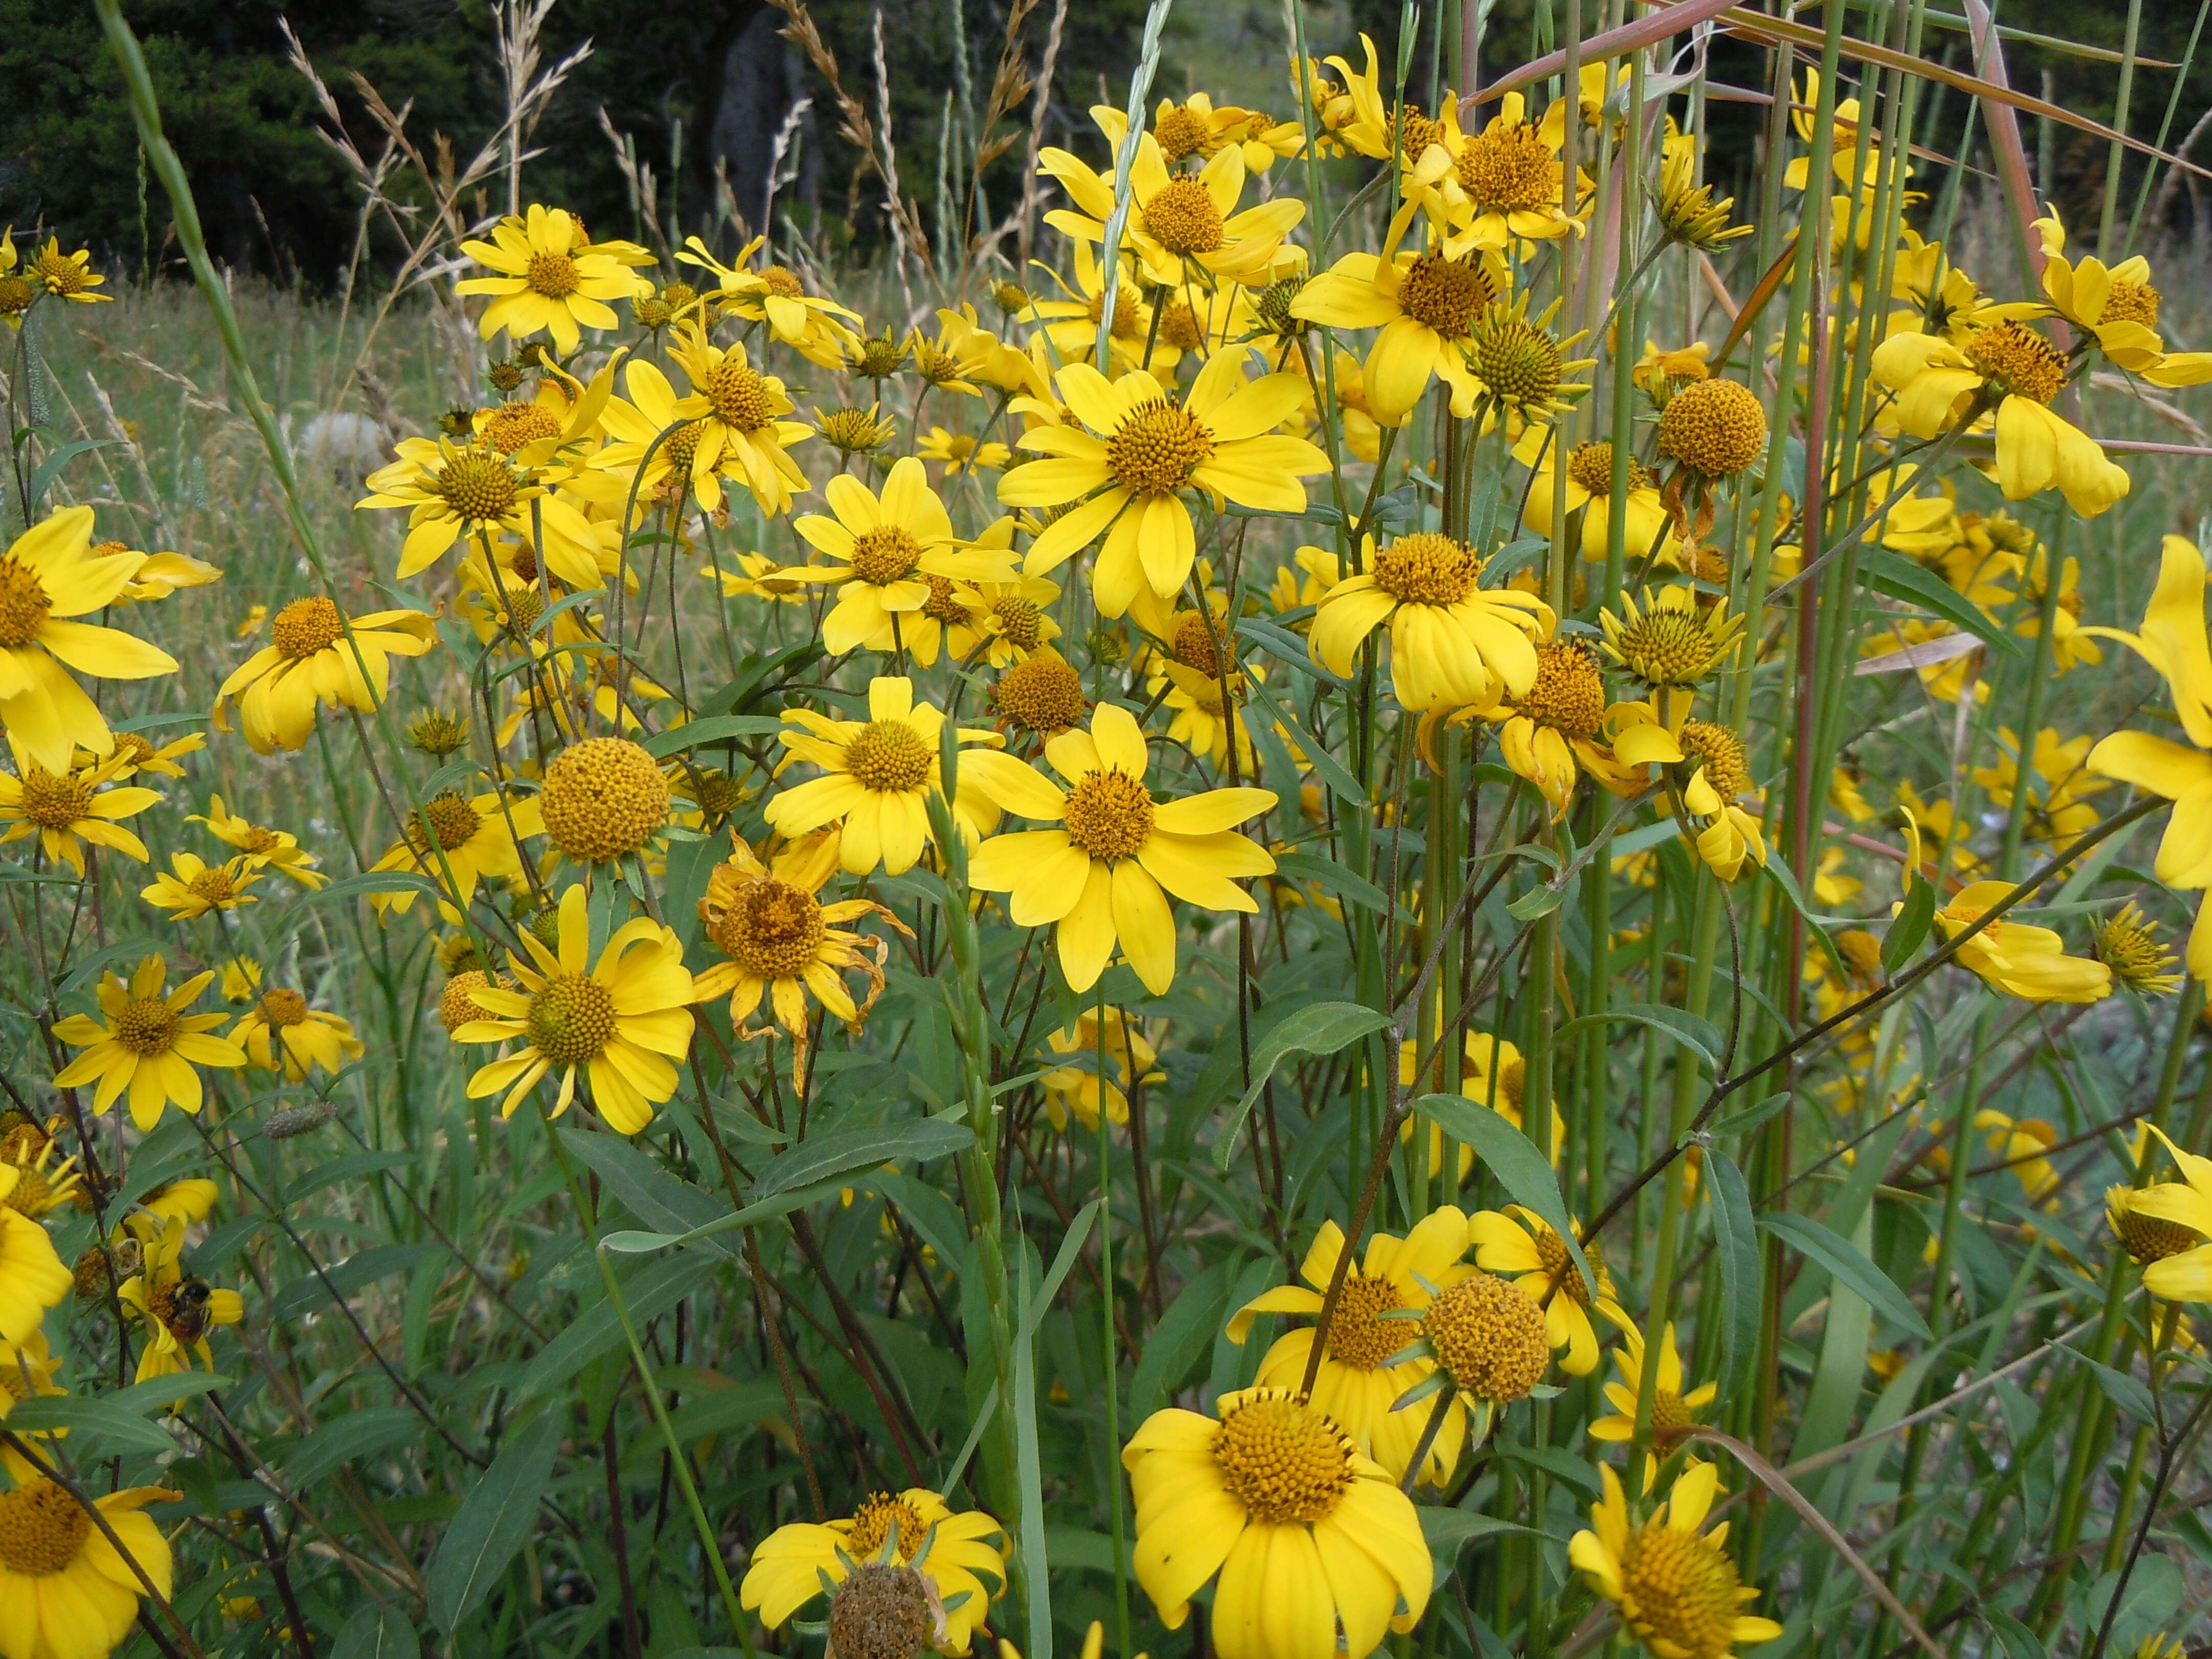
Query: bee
[[188, 1310]]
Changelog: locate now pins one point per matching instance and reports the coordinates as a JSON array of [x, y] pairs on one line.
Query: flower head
[[782, 943], [1362, 1374], [50, 576], [143, 1043], [66, 810], [1105, 871], [1143, 449], [1274, 1494], [549, 278], [1452, 642], [622, 1020], [1673, 1583], [309, 660], [1518, 1241], [914, 1529], [878, 776], [191, 887], [67, 1590]]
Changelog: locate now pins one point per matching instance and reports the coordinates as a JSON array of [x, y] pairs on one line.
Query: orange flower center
[[1109, 815], [1182, 218], [1283, 1460], [147, 1026], [24, 605], [1156, 447], [889, 758]]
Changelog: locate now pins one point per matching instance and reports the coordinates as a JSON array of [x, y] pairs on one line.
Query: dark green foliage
[[278, 199]]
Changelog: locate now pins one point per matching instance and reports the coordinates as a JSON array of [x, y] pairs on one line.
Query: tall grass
[[1791, 1077]]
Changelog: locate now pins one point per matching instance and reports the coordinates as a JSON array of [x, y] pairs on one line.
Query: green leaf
[[650, 1291], [653, 1195], [1286, 647], [1182, 1337], [1321, 1028], [847, 1152], [347, 1439], [719, 1411], [1743, 1274], [1778, 871], [633, 1243], [1448, 1532], [495, 1519], [50, 469], [90, 1416], [1831, 1250], [1536, 902], [1744, 1122], [1899, 578], [1513, 1158], [375, 1633], [1677, 1023], [1346, 884], [715, 728], [1909, 927], [1326, 766], [2126, 1392]]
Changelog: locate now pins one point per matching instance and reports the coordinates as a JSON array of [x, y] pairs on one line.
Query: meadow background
[[420, 1278]]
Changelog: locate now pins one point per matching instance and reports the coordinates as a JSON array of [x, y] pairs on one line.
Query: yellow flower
[[548, 279], [1674, 1585], [961, 453], [1518, 1241], [1673, 1408], [2162, 1226], [281, 1031], [912, 1528], [881, 773], [882, 552], [1099, 875], [67, 276], [623, 1019], [178, 1307], [1844, 135], [68, 808], [783, 942], [135, 752], [2128, 943], [50, 577], [1013, 620], [66, 1589], [146, 1044], [2014, 957], [2011, 369], [455, 492], [1453, 643], [2173, 641], [33, 1278], [1083, 1089], [476, 837], [1495, 186], [1549, 733], [1070, 326], [1307, 1536], [2071, 643], [309, 660], [1177, 220], [1589, 490], [1425, 305], [2063, 810], [278, 849], [1149, 447], [808, 323], [679, 462], [242, 978], [191, 886], [739, 411], [1358, 1384], [2119, 308]]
